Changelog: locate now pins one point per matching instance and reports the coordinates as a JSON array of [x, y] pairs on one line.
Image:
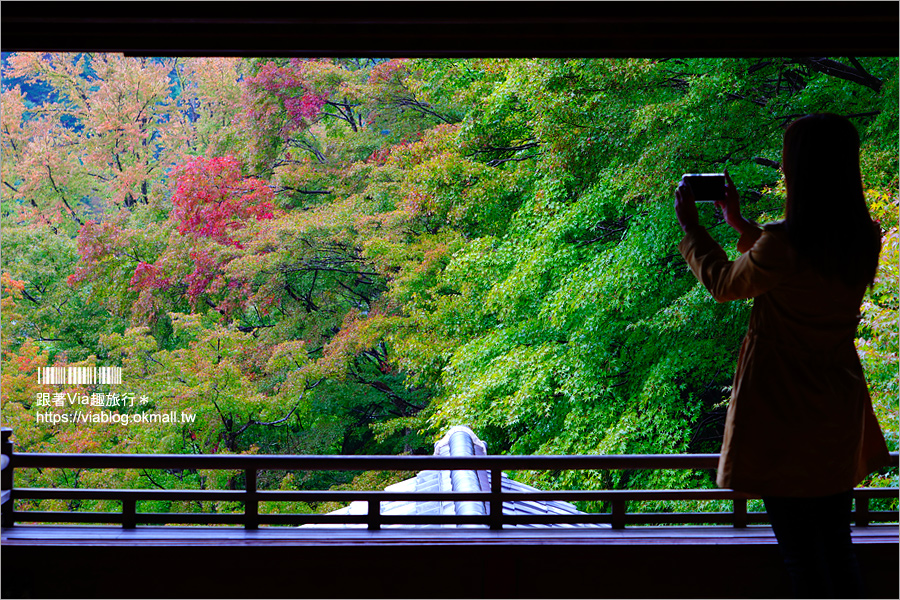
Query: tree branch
[[299, 191], [739, 97], [29, 296], [860, 68], [422, 107], [63, 198], [499, 161], [842, 71], [524, 146], [249, 328], [147, 475], [766, 162]]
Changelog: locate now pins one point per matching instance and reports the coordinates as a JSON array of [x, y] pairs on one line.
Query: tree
[[346, 256]]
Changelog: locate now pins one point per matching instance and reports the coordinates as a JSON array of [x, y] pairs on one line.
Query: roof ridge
[[461, 442]]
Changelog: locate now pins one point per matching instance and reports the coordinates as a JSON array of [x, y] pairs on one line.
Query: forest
[[349, 256]]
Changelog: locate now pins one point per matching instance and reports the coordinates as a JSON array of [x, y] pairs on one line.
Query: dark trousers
[[814, 539]]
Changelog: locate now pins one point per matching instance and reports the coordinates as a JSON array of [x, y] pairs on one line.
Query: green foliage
[[485, 242]]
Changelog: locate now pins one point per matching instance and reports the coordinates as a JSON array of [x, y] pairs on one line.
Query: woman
[[800, 430]]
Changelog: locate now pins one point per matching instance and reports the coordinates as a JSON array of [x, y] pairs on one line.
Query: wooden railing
[[251, 496]]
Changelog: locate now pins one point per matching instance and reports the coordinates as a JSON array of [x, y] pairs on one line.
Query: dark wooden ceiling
[[451, 29]]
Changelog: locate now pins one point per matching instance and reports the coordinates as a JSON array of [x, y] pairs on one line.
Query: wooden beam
[[541, 29]]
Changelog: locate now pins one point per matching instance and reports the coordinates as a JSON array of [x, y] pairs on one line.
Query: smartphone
[[707, 187]]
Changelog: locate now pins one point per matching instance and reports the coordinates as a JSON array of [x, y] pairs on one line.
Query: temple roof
[[462, 441]]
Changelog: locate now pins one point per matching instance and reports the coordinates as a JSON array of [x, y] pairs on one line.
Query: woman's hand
[[731, 205], [685, 208], [731, 208]]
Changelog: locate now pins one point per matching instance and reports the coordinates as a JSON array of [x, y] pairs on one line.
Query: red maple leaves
[[147, 276], [287, 83], [96, 241], [212, 199]]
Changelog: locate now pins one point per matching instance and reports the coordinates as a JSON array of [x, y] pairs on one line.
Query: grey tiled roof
[[456, 444]]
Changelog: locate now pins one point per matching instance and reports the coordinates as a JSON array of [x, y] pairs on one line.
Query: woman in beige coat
[[800, 430]]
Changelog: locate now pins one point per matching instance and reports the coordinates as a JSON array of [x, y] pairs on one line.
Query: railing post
[[129, 513], [374, 514], [251, 504], [496, 516], [618, 513], [6, 478], [861, 506], [740, 513]]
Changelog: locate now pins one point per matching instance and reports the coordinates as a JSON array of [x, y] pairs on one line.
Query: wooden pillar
[[6, 478], [740, 513], [496, 516], [618, 513], [129, 513], [862, 511], [251, 504], [374, 514]]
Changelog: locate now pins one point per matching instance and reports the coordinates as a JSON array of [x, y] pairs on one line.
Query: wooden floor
[[75, 535], [224, 562]]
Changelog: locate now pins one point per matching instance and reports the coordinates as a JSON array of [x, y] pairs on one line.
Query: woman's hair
[[826, 216]]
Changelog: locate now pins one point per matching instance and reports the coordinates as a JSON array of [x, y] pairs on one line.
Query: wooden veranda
[[668, 554]]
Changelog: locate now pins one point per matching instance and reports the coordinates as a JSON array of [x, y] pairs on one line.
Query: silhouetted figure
[[800, 430]]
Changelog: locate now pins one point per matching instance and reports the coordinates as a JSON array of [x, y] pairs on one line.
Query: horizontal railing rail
[[361, 462], [250, 497]]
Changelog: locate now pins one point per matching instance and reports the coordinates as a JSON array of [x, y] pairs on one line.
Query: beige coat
[[800, 421]]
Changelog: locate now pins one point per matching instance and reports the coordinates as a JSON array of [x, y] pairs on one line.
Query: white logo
[[79, 375]]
